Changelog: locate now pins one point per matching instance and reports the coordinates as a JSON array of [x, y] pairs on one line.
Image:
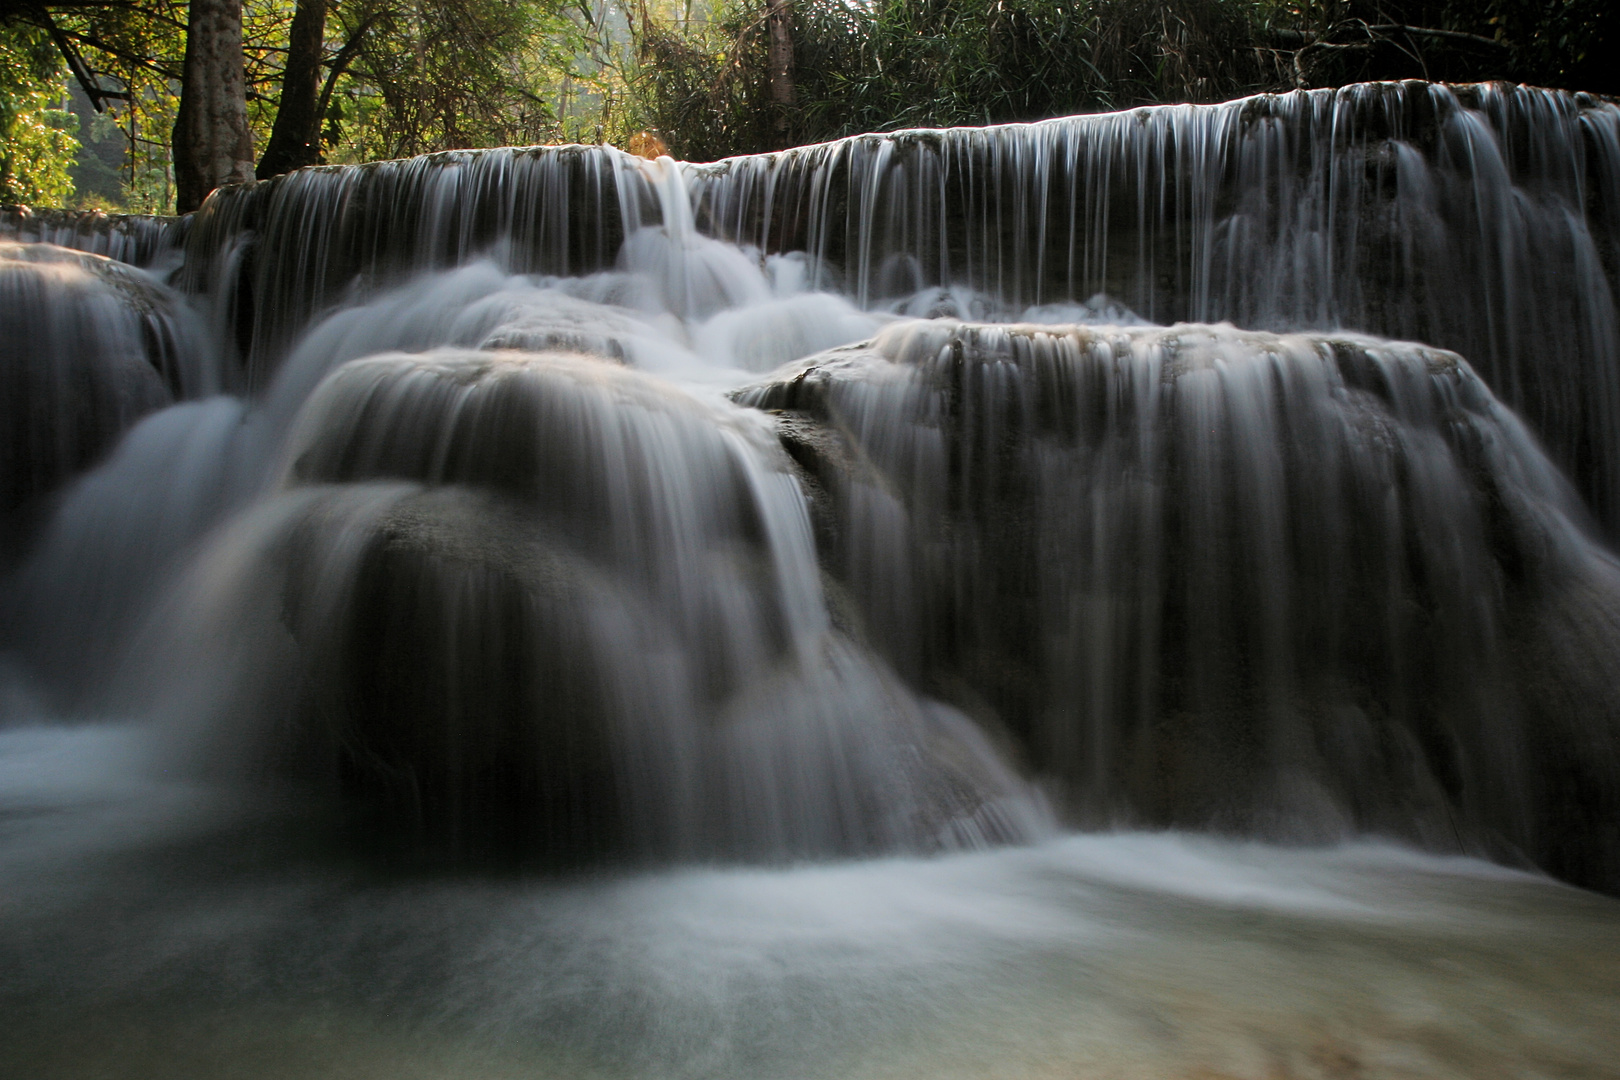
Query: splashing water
[[545, 612]]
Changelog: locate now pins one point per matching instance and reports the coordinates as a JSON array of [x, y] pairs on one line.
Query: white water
[[185, 894], [150, 931]]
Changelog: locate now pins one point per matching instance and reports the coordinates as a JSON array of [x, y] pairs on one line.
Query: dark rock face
[[540, 604], [1562, 649], [87, 347], [1285, 585], [456, 684]]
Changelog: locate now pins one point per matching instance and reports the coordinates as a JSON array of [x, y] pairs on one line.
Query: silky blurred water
[[1315, 586], [153, 928]]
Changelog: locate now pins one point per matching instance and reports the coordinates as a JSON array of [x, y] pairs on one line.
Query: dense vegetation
[[392, 78], [885, 64], [385, 78], [36, 140]]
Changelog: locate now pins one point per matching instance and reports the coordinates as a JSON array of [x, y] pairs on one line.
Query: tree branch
[[1424, 31], [81, 74], [112, 50], [343, 58]]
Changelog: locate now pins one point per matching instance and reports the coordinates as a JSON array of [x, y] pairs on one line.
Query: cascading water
[[1282, 585], [87, 347], [546, 612], [538, 597], [1480, 219], [141, 241]]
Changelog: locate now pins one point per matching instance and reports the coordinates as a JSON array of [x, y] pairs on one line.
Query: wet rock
[[136, 239], [454, 680], [484, 687], [1290, 586], [1563, 653], [87, 347], [548, 605]]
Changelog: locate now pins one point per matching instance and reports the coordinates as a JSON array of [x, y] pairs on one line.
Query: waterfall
[[1476, 218], [485, 533], [276, 255], [1288, 585], [538, 598], [147, 242], [1128, 595], [88, 345], [1481, 219], [612, 569]]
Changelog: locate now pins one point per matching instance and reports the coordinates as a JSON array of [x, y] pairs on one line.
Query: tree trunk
[[212, 142], [780, 19], [295, 141]]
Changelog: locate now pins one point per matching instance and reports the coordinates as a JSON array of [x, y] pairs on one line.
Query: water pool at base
[[147, 929]]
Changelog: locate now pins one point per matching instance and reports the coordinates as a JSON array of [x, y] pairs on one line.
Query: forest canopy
[[91, 90]]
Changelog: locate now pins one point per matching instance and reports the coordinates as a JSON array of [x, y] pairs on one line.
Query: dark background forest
[[92, 91]]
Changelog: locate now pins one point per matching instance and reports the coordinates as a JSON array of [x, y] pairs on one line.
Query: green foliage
[[702, 83], [1567, 44], [404, 77], [904, 63], [135, 51], [444, 74], [101, 165], [874, 65], [399, 77], [886, 64], [36, 133]]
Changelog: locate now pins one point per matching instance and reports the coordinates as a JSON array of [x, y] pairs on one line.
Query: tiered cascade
[[477, 536]]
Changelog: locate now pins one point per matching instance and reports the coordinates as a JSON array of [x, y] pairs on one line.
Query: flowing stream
[[542, 612]]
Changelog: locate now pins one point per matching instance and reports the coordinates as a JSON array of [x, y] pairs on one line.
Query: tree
[[212, 144], [359, 78], [356, 80], [295, 140], [446, 74], [36, 140], [128, 57], [779, 18]]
